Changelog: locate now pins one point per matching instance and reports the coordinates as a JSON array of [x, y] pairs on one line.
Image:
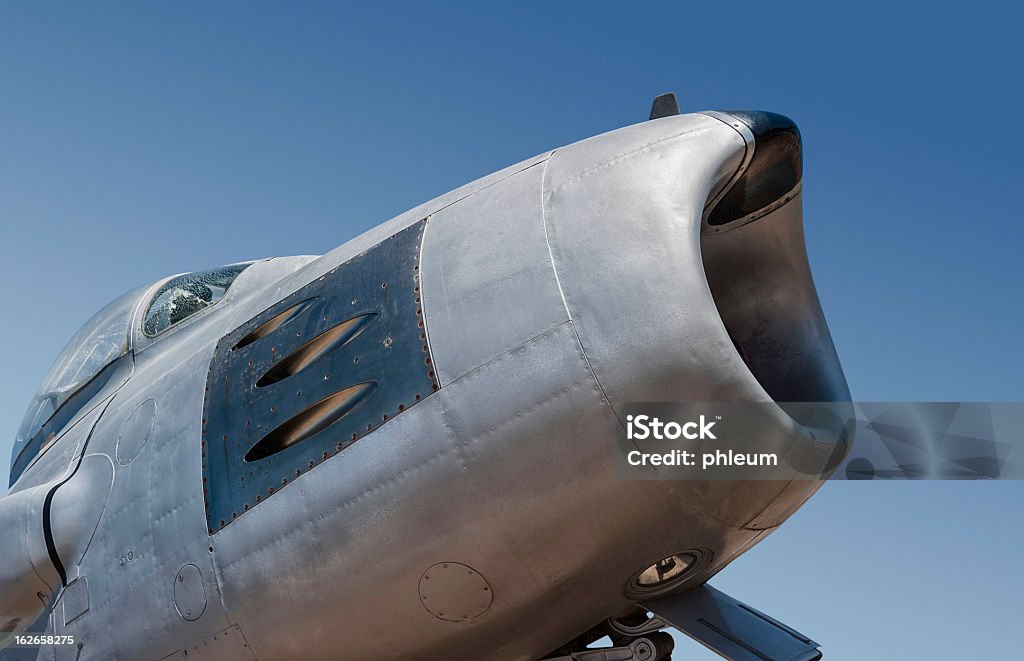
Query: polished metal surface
[[231, 496]]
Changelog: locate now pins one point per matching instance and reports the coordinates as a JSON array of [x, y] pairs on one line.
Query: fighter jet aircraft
[[403, 449]]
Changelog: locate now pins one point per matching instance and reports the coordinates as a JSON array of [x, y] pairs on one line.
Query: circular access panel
[[455, 592], [189, 593]]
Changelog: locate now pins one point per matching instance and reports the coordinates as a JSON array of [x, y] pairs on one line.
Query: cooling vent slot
[[320, 345], [273, 324], [325, 367], [313, 420]]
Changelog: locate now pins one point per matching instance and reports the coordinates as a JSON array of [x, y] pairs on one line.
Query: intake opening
[[755, 260], [310, 421], [321, 345], [271, 325]]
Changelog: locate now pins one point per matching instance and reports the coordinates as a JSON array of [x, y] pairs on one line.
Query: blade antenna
[[665, 105]]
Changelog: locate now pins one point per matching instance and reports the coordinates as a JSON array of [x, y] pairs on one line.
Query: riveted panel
[[488, 280], [314, 373]]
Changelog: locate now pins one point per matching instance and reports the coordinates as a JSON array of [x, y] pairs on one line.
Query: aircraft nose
[[679, 249]]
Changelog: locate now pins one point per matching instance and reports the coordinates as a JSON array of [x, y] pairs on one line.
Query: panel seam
[[561, 290]]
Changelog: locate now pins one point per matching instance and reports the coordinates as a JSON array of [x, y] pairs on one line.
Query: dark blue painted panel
[[292, 417]]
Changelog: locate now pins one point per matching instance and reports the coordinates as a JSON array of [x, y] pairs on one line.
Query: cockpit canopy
[[107, 336], [185, 295], [99, 342]]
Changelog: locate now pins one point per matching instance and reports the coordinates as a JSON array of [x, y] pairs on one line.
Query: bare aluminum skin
[[553, 292]]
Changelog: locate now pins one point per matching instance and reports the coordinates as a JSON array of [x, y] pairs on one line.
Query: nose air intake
[[755, 261]]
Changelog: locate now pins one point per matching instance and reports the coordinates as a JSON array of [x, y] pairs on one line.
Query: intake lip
[[773, 173]]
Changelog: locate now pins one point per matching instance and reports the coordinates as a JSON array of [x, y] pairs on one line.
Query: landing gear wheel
[[653, 647]]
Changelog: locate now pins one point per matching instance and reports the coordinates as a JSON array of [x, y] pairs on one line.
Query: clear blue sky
[[138, 141]]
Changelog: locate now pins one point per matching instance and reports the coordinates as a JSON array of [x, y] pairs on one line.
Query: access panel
[[313, 374]]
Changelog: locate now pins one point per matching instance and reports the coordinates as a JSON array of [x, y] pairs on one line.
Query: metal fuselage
[[506, 323]]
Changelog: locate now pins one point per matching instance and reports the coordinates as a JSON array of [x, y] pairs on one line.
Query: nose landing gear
[[634, 636], [655, 646], [730, 628]]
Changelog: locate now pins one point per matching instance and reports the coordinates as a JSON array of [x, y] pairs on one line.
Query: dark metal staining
[[775, 170], [313, 374]]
